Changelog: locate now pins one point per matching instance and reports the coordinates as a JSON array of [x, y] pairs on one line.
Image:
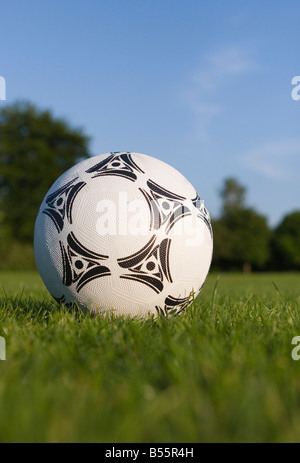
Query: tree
[[241, 235], [286, 243], [233, 196], [35, 149]]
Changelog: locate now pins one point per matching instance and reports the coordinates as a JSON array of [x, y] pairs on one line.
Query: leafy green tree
[[233, 196], [35, 149], [241, 235], [286, 243]]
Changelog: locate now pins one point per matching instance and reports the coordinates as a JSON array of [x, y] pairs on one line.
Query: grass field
[[221, 372]]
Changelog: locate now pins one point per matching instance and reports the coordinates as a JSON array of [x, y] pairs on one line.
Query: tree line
[[244, 241], [36, 148]]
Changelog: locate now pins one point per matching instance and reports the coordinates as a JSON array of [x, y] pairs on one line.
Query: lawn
[[221, 372]]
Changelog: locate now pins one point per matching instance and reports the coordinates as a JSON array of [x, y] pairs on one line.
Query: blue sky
[[203, 85]]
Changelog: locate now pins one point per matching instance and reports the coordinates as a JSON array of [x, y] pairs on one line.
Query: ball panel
[[123, 233]]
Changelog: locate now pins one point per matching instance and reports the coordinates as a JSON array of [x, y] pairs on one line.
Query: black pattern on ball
[[173, 305], [60, 203], [150, 265], [116, 164], [202, 212], [81, 265], [166, 207]]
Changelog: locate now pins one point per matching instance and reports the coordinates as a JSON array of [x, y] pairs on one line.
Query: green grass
[[221, 372]]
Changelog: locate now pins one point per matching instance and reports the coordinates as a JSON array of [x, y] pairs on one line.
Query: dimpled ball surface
[[123, 233]]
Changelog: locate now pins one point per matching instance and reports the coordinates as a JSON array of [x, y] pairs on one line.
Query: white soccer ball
[[123, 233]]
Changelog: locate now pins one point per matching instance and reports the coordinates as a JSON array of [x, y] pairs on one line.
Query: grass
[[221, 372]]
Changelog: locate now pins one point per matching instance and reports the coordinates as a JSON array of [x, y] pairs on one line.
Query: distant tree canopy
[[35, 149], [285, 243], [232, 195], [241, 235]]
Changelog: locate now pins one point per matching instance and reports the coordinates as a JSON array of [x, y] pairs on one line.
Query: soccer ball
[[123, 233]]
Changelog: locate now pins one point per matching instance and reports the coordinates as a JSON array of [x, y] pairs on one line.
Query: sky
[[203, 85]]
